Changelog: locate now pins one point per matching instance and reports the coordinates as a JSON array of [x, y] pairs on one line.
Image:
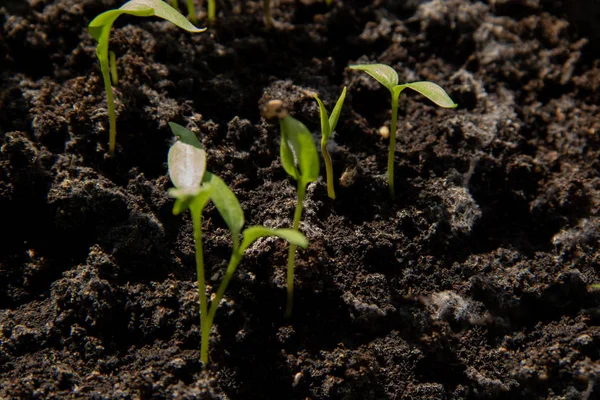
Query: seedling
[[194, 187], [389, 78], [328, 124], [100, 27], [301, 161]]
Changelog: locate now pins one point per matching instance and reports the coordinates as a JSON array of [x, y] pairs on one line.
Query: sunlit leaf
[[253, 233], [433, 92], [384, 74], [186, 160]]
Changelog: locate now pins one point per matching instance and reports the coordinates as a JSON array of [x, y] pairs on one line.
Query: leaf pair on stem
[[194, 188], [389, 78], [100, 28]]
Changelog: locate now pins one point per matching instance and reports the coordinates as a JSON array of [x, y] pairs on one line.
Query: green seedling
[[388, 77], [301, 161], [174, 4], [100, 27], [328, 124], [194, 188]]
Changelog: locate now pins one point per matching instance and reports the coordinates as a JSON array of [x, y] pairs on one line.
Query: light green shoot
[[100, 27], [113, 68], [194, 187], [301, 161], [328, 124], [388, 77]]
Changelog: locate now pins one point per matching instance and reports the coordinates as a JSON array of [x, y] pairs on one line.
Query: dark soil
[[474, 283]]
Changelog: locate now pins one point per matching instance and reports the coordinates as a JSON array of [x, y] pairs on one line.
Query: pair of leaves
[[388, 77], [100, 26], [328, 123], [298, 151], [195, 186]]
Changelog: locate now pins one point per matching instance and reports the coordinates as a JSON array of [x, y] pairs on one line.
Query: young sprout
[[100, 27], [300, 160], [194, 188], [389, 78], [328, 124]]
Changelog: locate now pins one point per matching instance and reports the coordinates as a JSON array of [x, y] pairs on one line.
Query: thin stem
[[192, 11], [113, 68], [268, 18], [204, 328], [392, 148], [110, 103], [212, 11], [328, 168], [292, 253], [233, 263]]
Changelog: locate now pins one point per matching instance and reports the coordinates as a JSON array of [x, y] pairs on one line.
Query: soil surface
[[474, 283]]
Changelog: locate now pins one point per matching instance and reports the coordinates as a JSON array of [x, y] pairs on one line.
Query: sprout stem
[[174, 4], [392, 148], [292, 253], [110, 103], [212, 11], [192, 10], [113, 68], [328, 168], [268, 18], [204, 327]]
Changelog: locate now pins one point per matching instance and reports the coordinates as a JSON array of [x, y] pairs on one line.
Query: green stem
[[174, 4], [212, 11], [328, 168], [113, 68], [110, 103], [268, 18], [192, 11], [392, 148], [233, 263], [204, 327], [292, 253]]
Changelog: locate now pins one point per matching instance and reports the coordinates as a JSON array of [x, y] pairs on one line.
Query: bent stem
[[292, 253], [233, 263], [392, 148], [204, 327], [328, 168]]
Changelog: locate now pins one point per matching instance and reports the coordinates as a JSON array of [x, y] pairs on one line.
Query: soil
[[473, 283]]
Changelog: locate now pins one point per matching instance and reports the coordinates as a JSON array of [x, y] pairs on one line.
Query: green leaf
[[335, 114], [187, 199], [227, 204], [298, 139], [325, 127], [186, 160], [287, 158], [433, 92], [253, 233], [382, 73]]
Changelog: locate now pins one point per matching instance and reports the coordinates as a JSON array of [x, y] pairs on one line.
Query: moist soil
[[473, 283]]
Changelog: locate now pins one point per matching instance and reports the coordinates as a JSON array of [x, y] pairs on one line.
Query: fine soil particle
[[474, 283]]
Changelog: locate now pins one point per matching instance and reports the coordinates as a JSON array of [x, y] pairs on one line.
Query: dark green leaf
[[300, 143]]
